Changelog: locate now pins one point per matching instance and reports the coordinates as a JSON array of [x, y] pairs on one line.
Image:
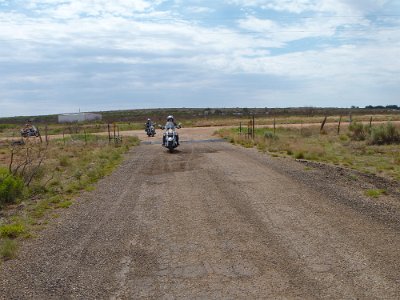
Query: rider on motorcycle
[[171, 124], [148, 123]]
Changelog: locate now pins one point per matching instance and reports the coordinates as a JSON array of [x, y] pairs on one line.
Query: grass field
[[329, 147]]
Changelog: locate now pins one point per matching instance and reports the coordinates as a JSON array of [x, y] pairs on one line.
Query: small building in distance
[[78, 117]]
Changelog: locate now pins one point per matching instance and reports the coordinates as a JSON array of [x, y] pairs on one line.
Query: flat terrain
[[215, 221]]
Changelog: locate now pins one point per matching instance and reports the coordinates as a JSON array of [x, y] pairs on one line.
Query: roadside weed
[[64, 204], [375, 193], [12, 230]]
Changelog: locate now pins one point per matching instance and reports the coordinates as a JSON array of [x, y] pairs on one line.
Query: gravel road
[[214, 221]]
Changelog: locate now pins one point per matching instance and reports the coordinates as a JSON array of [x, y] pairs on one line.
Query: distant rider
[[148, 124], [171, 124]]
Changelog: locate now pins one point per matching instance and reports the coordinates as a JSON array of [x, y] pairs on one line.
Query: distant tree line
[[382, 107]]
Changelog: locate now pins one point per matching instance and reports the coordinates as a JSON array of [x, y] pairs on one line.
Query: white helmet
[[170, 117]]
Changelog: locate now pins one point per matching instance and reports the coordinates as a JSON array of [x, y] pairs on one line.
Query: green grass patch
[[375, 193], [39, 210], [352, 177], [89, 188], [64, 204], [12, 230], [8, 248], [11, 187], [55, 199]]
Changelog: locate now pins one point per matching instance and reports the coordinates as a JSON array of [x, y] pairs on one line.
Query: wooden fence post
[[323, 124]]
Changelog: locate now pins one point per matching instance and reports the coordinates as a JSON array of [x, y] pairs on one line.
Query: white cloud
[[199, 9], [73, 8], [298, 6], [335, 7]]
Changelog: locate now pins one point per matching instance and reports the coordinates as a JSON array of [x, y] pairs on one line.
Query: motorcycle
[[30, 131], [151, 131], [170, 136]]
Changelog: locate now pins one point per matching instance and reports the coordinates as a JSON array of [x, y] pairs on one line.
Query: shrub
[[11, 187], [270, 135], [385, 134], [358, 132]]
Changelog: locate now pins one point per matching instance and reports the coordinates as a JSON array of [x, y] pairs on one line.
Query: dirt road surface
[[214, 221]]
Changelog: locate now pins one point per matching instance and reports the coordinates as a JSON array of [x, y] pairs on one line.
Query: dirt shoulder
[[214, 220]]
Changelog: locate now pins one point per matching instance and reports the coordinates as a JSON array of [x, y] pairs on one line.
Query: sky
[[59, 56]]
